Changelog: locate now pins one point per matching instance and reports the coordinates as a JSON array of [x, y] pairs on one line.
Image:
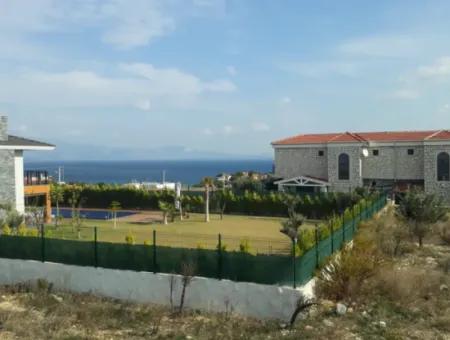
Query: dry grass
[[36, 313]]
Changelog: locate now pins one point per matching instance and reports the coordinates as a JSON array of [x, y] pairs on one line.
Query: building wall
[[354, 152], [292, 162], [432, 185], [3, 128], [7, 177], [393, 162]]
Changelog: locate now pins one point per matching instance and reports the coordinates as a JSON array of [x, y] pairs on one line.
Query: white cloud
[[121, 23], [286, 100], [207, 132], [321, 69], [440, 68], [144, 105], [260, 126], [381, 46], [135, 24], [405, 94], [231, 70], [228, 129], [132, 85]]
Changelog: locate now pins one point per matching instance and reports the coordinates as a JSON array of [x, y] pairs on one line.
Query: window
[[410, 152], [375, 152], [443, 166], [344, 167], [320, 153]]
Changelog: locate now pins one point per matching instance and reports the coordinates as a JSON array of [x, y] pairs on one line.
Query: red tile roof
[[349, 137]]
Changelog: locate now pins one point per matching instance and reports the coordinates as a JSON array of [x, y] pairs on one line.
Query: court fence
[[284, 267]]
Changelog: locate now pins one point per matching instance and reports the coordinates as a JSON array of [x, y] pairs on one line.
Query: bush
[[22, 230], [421, 211], [129, 239], [6, 230], [246, 202], [444, 232], [32, 232], [345, 274], [244, 246], [306, 239], [407, 284]]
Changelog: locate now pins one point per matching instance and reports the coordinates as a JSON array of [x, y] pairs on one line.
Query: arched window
[[443, 166], [344, 167]]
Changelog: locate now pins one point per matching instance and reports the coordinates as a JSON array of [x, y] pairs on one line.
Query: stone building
[[13, 185], [391, 161]]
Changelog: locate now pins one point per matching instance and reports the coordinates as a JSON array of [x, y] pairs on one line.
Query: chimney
[[3, 128]]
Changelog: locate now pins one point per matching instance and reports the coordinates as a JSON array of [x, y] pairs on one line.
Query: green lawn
[[262, 233]]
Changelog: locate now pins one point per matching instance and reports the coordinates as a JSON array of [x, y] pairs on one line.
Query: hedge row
[[248, 203]]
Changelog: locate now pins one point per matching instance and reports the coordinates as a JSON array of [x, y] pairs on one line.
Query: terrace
[[37, 190]]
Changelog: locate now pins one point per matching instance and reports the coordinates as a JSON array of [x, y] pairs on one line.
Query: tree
[[420, 211], [75, 202], [291, 226], [114, 207], [208, 183], [167, 209], [57, 195], [222, 197]]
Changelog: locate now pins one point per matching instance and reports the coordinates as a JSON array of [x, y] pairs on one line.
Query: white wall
[[260, 301], [19, 186]]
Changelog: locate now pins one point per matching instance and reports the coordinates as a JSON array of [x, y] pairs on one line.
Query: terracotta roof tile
[[349, 137]]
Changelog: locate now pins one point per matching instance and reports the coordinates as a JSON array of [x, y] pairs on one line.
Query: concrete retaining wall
[[260, 301]]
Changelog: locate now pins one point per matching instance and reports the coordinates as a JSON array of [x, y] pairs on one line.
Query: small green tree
[[168, 209], [291, 226], [420, 211], [114, 207], [57, 196]]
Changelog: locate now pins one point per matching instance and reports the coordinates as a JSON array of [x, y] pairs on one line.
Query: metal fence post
[[343, 230], [95, 248], [294, 269], [42, 243], [219, 258], [316, 235], [353, 221], [332, 236], [154, 252]]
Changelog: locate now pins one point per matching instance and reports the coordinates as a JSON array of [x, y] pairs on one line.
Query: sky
[[219, 76]]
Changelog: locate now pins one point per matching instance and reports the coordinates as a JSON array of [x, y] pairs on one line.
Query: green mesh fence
[[272, 268]]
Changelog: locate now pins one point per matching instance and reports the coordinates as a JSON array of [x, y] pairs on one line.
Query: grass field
[[263, 233]]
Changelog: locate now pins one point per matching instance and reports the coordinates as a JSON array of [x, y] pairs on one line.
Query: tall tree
[[421, 211], [207, 183]]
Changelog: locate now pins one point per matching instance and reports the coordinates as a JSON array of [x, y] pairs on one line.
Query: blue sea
[[185, 171]]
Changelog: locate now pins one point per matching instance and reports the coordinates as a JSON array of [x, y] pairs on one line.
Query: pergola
[[303, 181]]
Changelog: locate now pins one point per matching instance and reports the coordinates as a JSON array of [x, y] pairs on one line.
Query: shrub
[[222, 248], [247, 201], [6, 230], [407, 284], [444, 232], [306, 239], [129, 239], [22, 230], [420, 211], [344, 276], [32, 232], [244, 246]]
